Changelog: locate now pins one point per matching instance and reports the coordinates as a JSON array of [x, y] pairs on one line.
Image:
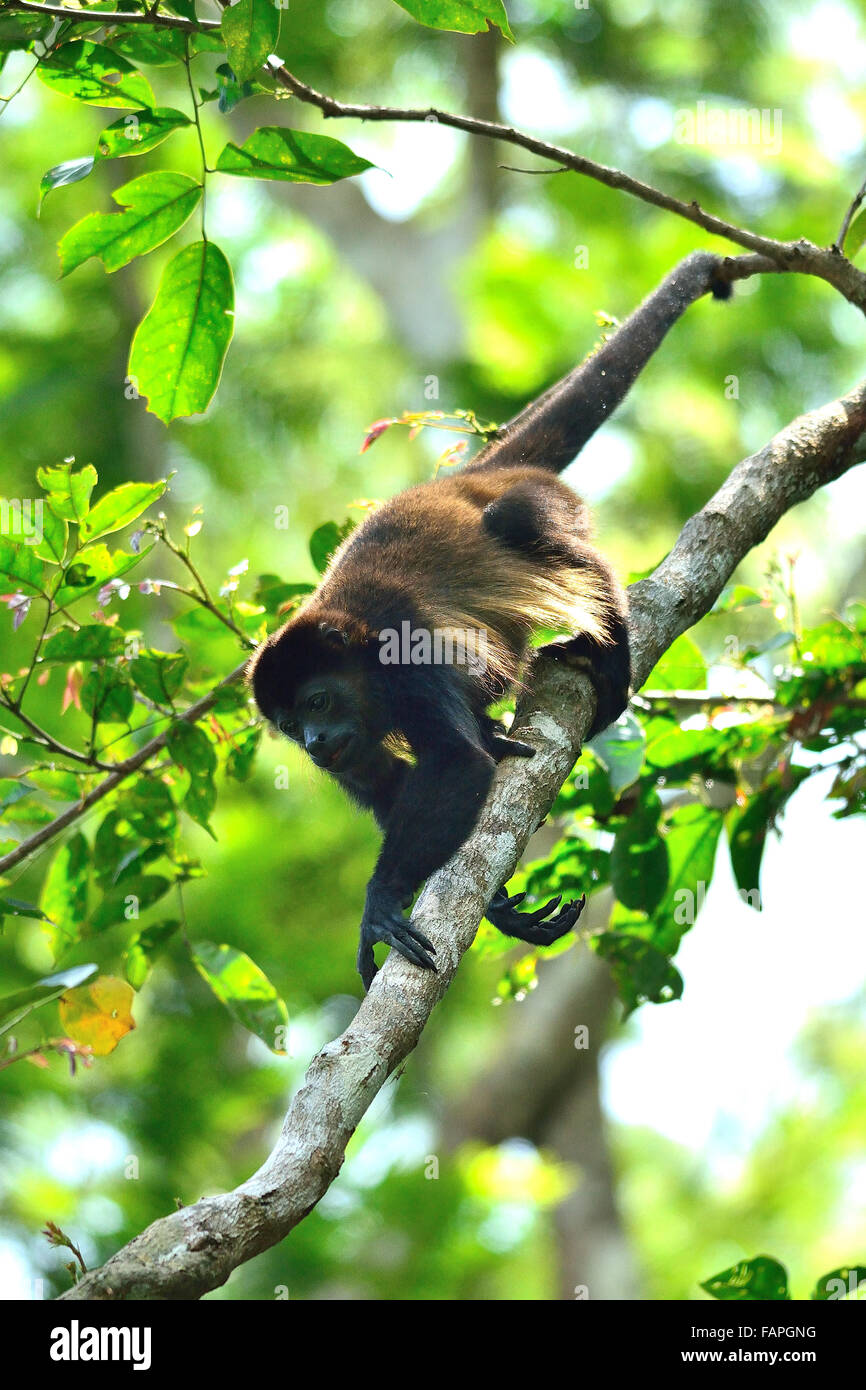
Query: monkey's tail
[[551, 431]]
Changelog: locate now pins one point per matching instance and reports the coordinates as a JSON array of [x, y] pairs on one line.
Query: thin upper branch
[[802, 256], [110, 18], [194, 1250]]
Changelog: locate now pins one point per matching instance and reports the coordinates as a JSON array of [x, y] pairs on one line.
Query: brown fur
[[434, 536]]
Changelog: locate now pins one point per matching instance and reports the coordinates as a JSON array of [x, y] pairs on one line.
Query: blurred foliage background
[[349, 300]]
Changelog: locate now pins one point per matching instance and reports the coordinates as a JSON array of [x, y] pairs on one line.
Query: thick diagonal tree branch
[[192, 1251]]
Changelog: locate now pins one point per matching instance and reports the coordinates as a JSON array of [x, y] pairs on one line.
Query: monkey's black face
[[326, 719]]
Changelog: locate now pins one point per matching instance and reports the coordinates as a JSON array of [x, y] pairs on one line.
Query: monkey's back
[[461, 575]]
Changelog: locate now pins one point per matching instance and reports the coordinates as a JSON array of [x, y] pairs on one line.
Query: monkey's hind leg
[[538, 928]]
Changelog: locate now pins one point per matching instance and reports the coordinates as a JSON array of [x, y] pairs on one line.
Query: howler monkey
[[477, 560]]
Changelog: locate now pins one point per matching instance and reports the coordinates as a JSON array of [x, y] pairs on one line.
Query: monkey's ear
[[334, 634], [343, 630]]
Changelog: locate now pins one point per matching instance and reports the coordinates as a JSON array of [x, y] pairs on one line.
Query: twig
[[801, 257], [796, 256], [839, 244], [118, 774]]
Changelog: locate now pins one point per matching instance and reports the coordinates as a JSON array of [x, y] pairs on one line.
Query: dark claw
[[539, 927], [405, 943], [384, 922]]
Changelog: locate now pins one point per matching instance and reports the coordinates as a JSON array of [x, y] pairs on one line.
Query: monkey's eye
[[288, 727], [318, 703]]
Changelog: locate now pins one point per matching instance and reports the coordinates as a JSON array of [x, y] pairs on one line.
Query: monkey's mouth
[[335, 755]]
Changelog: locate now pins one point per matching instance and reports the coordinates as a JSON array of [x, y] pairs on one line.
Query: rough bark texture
[[189, 1252]]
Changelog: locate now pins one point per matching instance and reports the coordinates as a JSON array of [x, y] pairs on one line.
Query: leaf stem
[[196, 113]]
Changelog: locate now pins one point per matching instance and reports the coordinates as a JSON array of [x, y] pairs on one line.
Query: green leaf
[[159, 675], [178, 350], [20, 565], [274, 152], [55, 533], [161, 48], [230, 92], [91, 73], [64, 893], [14, 1007], [847, 1282], [139, 131], [735, 597], [91, 642], [16, 907], [683, 751], [68, 491], [107, 695], [620, 749], [147, 811], [641, 971], [762, 1279], [93, 568], [191, 748], [156, 206], [832, 646], [239, 763], [747, 835], [681, 668], [12, 790], [325, 540], [463, 16], [691, 840], [70, 171], [126, 901], [272, 593], [121, 506], [20, 30], [145, 947], [747, 829], [245, 990], [639, 858], [63, 786], [250, 29]]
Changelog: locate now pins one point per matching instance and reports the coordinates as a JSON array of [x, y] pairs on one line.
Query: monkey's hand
[[383, 920], [539, 928]]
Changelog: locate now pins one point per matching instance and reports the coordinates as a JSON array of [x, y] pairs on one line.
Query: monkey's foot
[[502, 746], [498, 742], [384, 921], [538, 928]]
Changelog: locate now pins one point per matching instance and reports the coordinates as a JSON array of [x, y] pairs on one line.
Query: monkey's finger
[[542, 913], [367, 967], [407, 948], [419, 936], [570, 913]]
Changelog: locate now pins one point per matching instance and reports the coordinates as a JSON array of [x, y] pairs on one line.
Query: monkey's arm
[[434, 812], [553, 429]]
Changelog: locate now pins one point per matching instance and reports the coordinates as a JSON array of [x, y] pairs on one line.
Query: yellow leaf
[[98, 1014]]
